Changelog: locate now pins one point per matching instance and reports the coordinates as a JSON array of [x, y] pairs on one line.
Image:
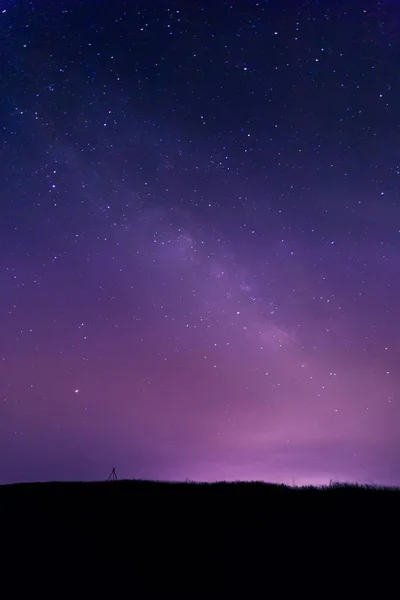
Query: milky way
[[200, 241]]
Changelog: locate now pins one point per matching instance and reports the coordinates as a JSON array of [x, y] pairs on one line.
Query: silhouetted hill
[[237, 504], [144, 525]]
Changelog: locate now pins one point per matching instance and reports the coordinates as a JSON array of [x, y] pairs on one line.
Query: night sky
[[200, 240]]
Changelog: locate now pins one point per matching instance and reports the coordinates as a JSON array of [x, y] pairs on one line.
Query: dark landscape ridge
[[340, 500], [146, 528], [140, 486], [224, 511], [130, 489]]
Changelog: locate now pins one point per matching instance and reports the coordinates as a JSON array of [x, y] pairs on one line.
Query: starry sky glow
[[200, 240]]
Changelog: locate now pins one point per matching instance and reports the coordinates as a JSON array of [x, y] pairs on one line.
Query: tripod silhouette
[[113, 476]]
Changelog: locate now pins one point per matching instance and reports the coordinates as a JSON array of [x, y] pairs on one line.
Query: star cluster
[[200, 240]]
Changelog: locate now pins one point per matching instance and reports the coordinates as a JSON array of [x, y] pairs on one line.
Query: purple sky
[[199, 241]]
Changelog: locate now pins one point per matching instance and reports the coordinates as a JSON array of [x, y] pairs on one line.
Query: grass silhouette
[[191, 533], [275, 507]]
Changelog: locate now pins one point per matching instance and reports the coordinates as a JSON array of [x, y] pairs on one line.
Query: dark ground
[[183, 536]]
